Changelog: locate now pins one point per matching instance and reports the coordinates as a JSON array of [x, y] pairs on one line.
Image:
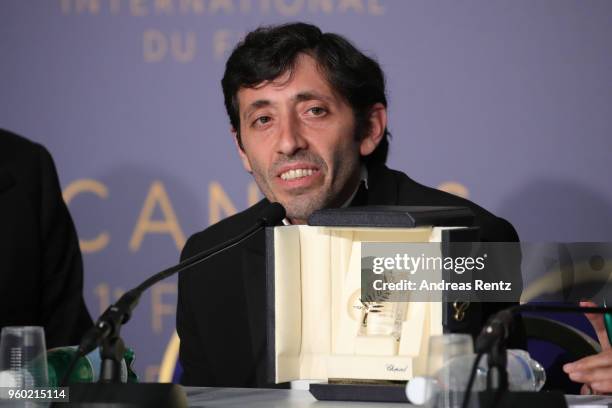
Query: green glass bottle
[[87, 369]]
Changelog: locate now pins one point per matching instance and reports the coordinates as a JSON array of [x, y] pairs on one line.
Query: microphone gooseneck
[[109, 323]]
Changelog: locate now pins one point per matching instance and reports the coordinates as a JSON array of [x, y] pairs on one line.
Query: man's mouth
[[295, 174]]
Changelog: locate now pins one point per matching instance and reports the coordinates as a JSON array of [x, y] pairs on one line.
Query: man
[[41, 272], [309, 118]]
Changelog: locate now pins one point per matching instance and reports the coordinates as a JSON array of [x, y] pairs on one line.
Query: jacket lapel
[[382, 187], [254, 273]]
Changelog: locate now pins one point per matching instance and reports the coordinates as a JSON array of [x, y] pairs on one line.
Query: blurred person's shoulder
[[14, 148], [23, 161]]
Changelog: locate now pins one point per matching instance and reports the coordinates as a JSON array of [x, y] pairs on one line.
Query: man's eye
[[317, 111], [262, 120]]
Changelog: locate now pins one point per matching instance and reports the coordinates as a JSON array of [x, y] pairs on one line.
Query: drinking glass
[[442, 350], [23, 357]]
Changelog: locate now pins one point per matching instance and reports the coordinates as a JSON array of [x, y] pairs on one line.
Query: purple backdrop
[[508, 102]]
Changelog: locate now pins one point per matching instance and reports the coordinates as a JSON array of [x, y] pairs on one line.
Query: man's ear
[[376, 129], [245, 160]]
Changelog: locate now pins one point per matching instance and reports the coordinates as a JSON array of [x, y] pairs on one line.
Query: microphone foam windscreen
[[273, 214]]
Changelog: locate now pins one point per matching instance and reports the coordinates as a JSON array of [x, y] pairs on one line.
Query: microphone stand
[[106, 333], [112, 351], [492, 342], [497, 375]]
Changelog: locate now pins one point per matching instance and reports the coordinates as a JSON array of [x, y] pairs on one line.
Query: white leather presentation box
[[318, 328]]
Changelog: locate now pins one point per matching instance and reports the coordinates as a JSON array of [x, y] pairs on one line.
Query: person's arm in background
[[595, 371], [63, 312]]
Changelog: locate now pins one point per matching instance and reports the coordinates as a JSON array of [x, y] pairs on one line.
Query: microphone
[[497, 329], [109, 323], [272, 214]]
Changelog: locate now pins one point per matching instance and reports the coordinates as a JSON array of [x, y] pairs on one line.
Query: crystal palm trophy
[[380, 314]]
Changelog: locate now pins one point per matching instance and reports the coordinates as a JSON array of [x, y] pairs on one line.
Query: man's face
[[298, 139]]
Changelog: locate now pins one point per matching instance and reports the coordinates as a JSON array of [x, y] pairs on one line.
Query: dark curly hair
[[269, 52]]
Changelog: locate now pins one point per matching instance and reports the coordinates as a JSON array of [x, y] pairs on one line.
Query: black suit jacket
[[222, 302], [41, 272]]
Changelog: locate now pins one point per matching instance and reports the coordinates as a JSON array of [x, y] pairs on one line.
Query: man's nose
[[291, 139]]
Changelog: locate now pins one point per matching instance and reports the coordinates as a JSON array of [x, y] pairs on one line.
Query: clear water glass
[[23, 357]]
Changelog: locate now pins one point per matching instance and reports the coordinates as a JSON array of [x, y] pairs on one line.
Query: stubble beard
[[302, 204]]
